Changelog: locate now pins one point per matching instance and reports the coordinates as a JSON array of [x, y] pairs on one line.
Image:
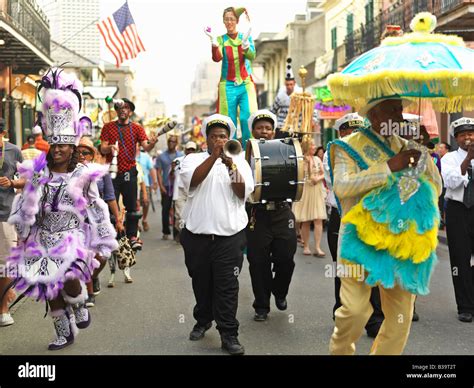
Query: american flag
[[120, 35]]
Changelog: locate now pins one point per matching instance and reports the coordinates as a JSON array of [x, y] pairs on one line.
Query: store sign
[[331, 115]]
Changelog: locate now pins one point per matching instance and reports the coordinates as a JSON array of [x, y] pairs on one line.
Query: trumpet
[[232, 148]]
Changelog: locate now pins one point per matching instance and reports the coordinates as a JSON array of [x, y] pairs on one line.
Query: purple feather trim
[[81, 253], [33, 252], [27, 168], [90, 173], [40, 162], [49, 291]]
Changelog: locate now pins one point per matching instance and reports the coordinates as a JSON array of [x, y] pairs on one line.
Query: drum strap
[[353, 154]]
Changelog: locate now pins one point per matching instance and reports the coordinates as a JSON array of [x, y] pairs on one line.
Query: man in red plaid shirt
[[127, 135]]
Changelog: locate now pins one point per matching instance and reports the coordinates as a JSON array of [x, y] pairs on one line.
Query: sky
[[172, 33]]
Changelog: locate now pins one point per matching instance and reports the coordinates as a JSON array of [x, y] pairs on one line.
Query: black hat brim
[[463, 128], [130, 104]]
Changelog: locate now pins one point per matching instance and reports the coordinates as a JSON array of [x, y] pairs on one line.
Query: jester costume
[[61, 221], [237, 89]]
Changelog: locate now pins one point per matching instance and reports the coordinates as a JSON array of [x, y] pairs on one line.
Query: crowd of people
[[63, 214]]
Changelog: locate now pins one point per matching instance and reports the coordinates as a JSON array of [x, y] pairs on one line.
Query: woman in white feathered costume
[[61, 221]]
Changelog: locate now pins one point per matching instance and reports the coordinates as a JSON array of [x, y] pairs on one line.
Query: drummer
[[271, 237]]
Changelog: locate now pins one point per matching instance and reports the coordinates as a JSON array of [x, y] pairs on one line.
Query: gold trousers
[[352, 316]]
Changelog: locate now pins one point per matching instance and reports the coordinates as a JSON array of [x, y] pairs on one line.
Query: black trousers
[[273, 241], [334, 225], [460, 234], [441, 205], [126, 184], [214, 264], [166, 202]]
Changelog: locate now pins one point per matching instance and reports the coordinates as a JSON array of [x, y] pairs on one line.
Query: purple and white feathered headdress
[[62, 101]]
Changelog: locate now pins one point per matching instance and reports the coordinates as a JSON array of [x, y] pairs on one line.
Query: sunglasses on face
[[85, 153]]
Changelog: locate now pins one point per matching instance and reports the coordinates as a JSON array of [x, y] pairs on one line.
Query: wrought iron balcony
[[30, 20], [24, 29], [401, 13]]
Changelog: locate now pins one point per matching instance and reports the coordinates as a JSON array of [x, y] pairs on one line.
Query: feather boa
[[26, 204], [103, 243], [395, 242], [84, 175]]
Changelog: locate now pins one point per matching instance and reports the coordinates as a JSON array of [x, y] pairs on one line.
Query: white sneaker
[[126, 274], [6, 319]]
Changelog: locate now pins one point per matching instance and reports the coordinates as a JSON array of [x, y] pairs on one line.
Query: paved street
[[154, 314]]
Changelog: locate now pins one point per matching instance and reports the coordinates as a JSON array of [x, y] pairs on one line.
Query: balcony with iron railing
[[401, 13], [27, 18]]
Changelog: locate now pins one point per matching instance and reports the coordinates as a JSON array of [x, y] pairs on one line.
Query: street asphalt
[[153, 315]]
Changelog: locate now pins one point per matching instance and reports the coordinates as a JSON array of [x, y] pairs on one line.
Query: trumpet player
[[128, 134], [456, 168], [217, 186]]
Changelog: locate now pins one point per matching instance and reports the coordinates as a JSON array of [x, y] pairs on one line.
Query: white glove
[[245, 39], [213, 39]]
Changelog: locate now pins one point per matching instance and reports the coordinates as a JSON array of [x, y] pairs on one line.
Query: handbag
[[124, 255]]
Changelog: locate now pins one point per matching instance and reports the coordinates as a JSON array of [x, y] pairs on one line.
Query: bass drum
[[277, 167]]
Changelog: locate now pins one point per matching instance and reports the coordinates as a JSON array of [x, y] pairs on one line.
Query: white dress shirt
[[212, 207], [454, 181]]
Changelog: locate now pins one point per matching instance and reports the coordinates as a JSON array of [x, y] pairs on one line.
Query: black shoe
[[96, 286], [198, 331], [416, 317], [260, 317], [281, 304], [465, 317], [231, 344], [373, 330]]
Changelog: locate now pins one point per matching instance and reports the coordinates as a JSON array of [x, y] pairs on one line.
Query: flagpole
[[75, 34]]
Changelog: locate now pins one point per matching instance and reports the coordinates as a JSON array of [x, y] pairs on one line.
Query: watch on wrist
[[233, 167]]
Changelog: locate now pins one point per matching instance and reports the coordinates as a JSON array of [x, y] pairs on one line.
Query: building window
[[334, 38], [350, 24], [369, 11]]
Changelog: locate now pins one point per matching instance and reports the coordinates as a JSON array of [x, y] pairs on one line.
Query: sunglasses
[[85, 153]]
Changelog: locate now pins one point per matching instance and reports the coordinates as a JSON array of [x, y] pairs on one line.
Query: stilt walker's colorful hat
[[238, 12]]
